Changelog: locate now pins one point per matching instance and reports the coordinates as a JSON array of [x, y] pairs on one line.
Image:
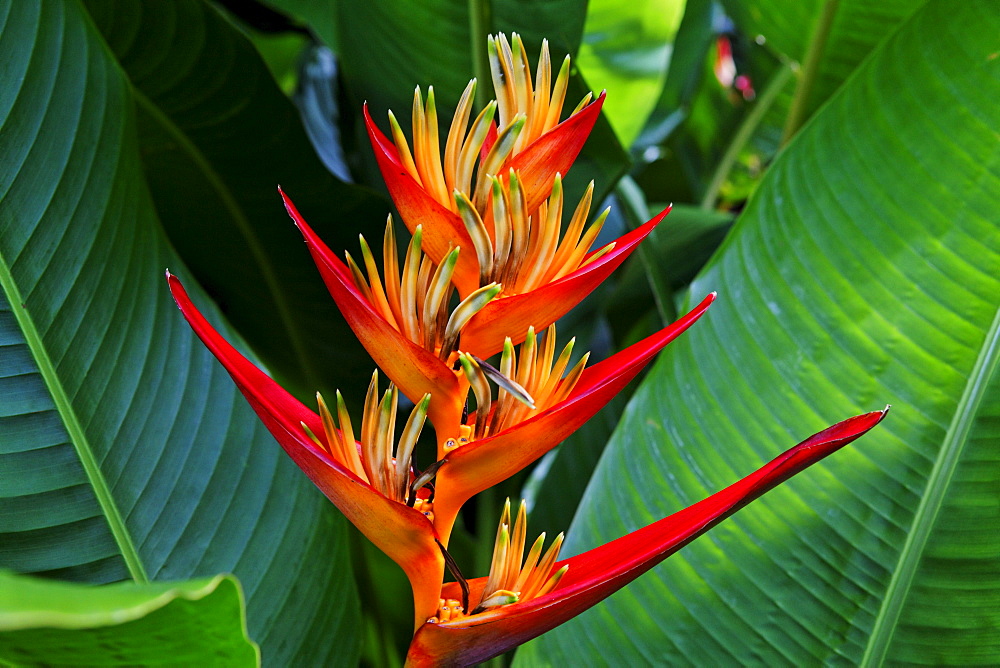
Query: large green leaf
[[217, 136], [865, 271], [200, 622], [125, 449]]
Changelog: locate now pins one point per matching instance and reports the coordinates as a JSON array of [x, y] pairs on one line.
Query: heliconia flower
[[368, 482], [511, 435], [582, 581]]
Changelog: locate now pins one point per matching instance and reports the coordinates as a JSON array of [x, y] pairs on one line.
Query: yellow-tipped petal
[[312, 436], [347, 437], [523, 95], [543, 83], [403, 149], [358, 277], [480, 388], [558, 96], [379, 300], [428, 152], [552, 582], [539, 578], [464, 312], [408, 441], [469, 157], [477, 231], [500, 597], [390, 264], [438, 290], [517, 545], [502, 231], [500, 69], [408, 287], [530, 562], [498, 566], [498, 154], [456, 133]]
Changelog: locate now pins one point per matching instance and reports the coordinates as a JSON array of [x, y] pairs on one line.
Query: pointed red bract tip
[[598, 573]]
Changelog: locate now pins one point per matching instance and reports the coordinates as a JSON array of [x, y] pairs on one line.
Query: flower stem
[[744, 133], [810, 69], [480, 27]]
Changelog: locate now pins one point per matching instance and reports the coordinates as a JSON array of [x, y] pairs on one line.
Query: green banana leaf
[[626, 50], [865, 271], [217, 136], [126, 451], [199, 622]]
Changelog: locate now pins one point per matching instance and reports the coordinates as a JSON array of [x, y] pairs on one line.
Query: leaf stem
[[254, 245], [10, 292], [480, 27], [810, 68], [636, 210], [981, 379], [744, 133]]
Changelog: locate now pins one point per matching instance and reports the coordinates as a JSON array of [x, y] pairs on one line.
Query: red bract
[[595, 575], [406, 535], [415, 370]]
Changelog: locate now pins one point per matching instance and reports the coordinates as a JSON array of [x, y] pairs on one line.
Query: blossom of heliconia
[[492, 263]]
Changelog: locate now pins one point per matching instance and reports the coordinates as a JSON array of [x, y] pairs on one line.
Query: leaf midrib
[[239, 217], [940, 478], [73, 426]]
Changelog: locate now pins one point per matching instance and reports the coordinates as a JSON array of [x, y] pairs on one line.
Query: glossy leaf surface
[[865, 278], [126, 451], [626, 50], [201, 622]]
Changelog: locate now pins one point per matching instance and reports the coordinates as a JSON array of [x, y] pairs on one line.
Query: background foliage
[[862, 269]]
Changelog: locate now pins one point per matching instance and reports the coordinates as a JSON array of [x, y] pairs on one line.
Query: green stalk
[[636, 211], [810, 68], [284, 316], [487, 518], [480, 27], [977, 387], [72, 422], [744, 133]]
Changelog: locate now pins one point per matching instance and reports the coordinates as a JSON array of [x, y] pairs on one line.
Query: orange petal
[[403, 533], [481, 464], [485, 333], [595, 575], [413, 369], [443, 229]]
